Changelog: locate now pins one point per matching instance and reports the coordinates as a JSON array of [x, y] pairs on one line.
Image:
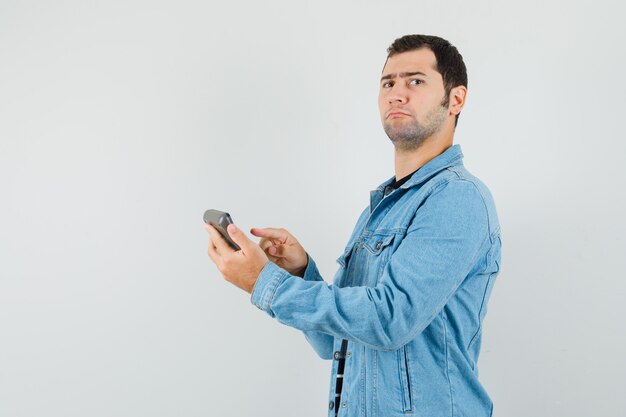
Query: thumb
[[237, 236]]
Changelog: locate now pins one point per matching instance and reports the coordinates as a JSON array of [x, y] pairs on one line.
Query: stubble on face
[[411, 134]]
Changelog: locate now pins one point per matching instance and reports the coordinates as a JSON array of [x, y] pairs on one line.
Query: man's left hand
[[242, 267]]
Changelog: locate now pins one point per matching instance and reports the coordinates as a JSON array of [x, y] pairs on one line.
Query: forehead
[[422, 60]]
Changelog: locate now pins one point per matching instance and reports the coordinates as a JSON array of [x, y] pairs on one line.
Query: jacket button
[[378, 245], [337, 355], [344, 405], [331, 405]]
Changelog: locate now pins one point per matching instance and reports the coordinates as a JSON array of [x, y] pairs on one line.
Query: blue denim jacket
[[410, 295]]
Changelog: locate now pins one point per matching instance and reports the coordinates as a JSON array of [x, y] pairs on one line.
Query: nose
[[397, 94]]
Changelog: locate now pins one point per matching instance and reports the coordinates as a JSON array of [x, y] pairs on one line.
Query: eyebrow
[[402, 75]]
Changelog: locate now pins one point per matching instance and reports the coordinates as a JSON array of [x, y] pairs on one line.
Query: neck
[[408, 161]]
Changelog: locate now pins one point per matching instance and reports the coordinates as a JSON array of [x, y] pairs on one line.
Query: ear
[[457, 99]]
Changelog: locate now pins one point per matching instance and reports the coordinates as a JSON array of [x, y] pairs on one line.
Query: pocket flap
[[376, 243]]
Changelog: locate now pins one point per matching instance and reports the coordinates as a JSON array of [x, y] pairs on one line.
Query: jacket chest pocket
[[369, 256], [378, 249]]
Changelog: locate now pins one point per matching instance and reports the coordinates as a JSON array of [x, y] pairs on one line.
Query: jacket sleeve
[[442, 244], [321, 342]]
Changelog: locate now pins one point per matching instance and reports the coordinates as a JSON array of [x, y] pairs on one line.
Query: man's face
[[410, 97]]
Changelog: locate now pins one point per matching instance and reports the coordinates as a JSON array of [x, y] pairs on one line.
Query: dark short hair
[[449, 61]]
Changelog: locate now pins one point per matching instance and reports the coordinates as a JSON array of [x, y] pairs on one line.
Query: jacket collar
[[450, 157]]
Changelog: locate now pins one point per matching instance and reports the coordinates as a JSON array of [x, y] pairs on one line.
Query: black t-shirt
[[396, 184]]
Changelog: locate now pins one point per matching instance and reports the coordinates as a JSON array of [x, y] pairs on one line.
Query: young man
[[402, 319]]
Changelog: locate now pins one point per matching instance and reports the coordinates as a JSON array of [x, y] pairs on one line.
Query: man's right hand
[[283, 249]]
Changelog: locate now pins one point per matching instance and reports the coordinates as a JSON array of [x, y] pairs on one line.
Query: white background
[[122, 121]]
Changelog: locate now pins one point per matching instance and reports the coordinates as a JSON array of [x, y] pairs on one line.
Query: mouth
[[396, 113]]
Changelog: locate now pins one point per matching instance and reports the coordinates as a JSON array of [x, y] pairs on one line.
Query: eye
[[387, 84], [416, 81]]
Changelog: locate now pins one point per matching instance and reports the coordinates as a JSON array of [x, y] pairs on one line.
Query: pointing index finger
[[270, 233]]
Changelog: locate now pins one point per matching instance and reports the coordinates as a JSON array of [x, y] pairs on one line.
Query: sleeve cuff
[[311, 273], [269, 279]]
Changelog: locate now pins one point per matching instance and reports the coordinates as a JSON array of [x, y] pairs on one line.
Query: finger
[[239, 237], [214, 255], [279, 251], [270, 248], [271, 233], [220, 243], [265, 244], [273, 258]]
